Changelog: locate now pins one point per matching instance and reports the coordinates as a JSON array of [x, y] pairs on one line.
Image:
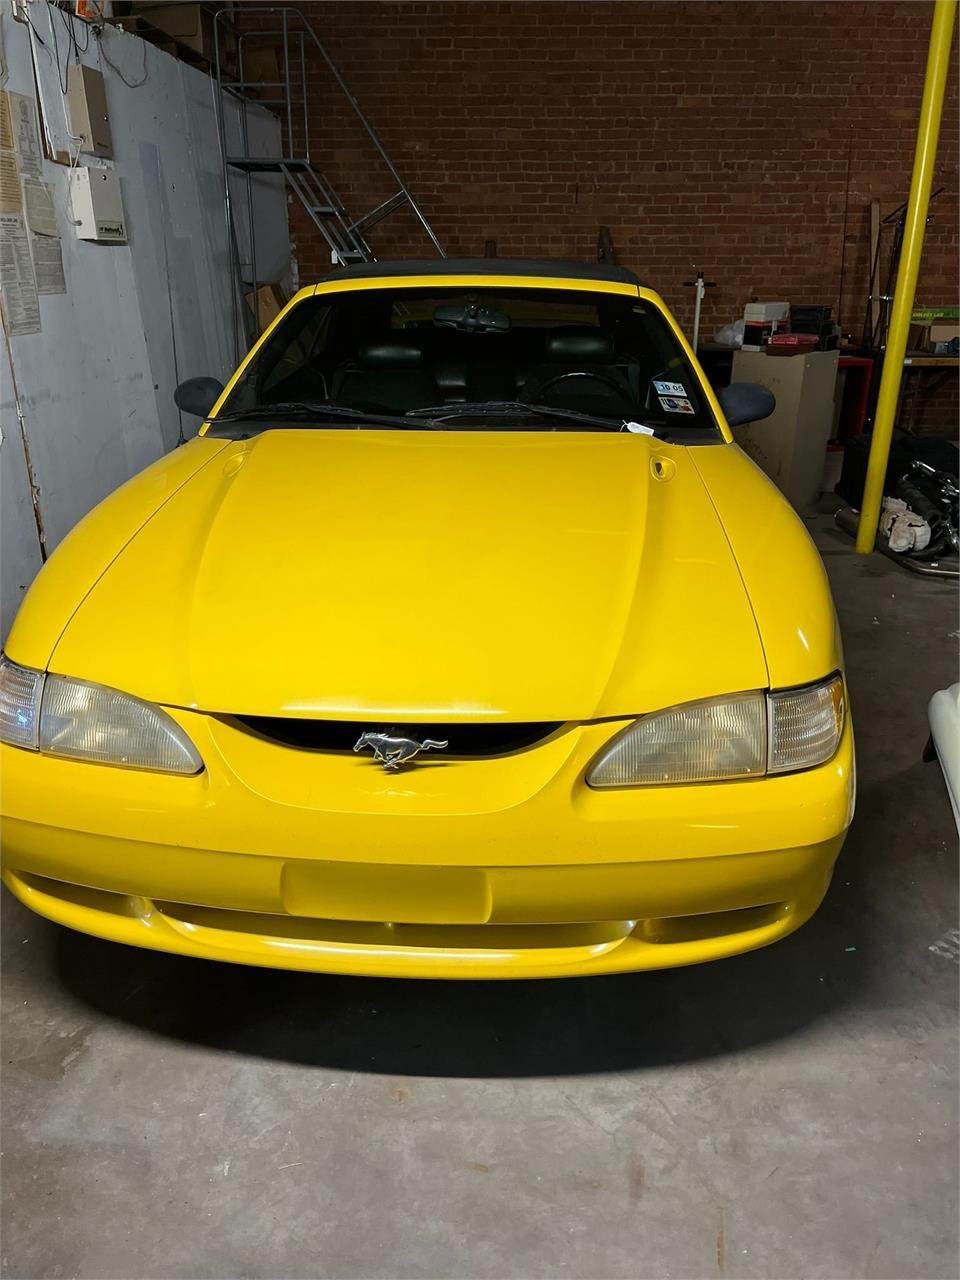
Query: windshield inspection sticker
[[676, 404], [670, 388]]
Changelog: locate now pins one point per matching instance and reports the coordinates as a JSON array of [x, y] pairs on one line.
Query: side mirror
[[746, 402], [198, 395]]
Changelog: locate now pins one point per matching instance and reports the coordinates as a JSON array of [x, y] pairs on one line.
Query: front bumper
[[499, 868]]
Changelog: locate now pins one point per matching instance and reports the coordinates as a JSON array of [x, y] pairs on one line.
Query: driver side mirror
[[746, 402], [198, 395]]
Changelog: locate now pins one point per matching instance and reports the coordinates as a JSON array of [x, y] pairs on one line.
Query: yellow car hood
[[394, 575]]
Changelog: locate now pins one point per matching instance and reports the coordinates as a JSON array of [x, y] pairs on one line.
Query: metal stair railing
[[290, 41]]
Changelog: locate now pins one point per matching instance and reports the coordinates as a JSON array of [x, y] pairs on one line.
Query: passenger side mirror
[[198, 395], [746, 402]]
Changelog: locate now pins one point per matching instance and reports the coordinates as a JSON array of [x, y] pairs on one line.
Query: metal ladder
[[287, 32]]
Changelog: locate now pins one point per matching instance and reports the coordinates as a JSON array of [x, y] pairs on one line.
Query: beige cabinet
[[790, 445]]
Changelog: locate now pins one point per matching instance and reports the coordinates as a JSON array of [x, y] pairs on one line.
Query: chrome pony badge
[[392, 751]]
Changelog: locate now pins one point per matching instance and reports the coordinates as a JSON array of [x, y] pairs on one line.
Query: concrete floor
[[787, 1113]]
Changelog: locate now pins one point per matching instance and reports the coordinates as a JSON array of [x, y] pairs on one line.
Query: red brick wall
[[714, 133]]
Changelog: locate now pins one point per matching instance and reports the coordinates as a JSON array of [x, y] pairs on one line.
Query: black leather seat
[[473, 367], [389, 376], [577, 350], [450, 372]]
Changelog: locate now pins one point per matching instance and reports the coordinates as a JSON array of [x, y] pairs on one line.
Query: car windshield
[[472, 358]]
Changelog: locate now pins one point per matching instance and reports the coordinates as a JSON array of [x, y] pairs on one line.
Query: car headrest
[[576, 343], [390, 355]]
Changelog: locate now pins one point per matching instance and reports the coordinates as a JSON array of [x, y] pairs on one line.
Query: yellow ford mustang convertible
[[462, 642]]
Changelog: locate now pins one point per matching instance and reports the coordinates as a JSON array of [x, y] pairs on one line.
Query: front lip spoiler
[[431, 951]]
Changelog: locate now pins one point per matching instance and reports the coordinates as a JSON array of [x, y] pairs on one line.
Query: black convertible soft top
[[558, 269]]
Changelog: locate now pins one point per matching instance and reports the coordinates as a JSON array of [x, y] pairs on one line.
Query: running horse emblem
[[392, 752]]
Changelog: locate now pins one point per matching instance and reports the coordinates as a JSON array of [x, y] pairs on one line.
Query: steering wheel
[[607, 379]]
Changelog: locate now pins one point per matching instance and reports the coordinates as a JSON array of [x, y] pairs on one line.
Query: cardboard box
[[93, 10], [790, 445], [266, 304], [188, 24], [261, 63]]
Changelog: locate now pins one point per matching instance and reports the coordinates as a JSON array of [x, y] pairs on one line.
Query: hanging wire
[[102, 52], [72, 35], [39, 38], [77, 141], [61, 72]]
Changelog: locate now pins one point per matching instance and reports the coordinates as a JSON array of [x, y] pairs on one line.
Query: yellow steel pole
[[928, 131]]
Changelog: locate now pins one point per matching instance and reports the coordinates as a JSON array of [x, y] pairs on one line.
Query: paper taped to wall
[[6, 123], [4, 72], [38, 207], [47, 255], [23, 110], [18, 284], [11, 200]]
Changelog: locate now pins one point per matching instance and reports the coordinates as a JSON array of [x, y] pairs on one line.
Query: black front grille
[[341, 735]]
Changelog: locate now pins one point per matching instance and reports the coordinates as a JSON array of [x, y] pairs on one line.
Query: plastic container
[[791, 344]]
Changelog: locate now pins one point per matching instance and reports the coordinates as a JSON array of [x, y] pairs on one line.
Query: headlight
[[740, 735], [722, 738], [64, 717]]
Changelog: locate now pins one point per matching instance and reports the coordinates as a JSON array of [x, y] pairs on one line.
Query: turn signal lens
[[64, 717], [20, 690], [695, 742], [805, 726]]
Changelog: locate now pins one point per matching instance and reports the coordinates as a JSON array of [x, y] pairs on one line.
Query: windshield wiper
[[318, 409], [431, 418], [441, 412]]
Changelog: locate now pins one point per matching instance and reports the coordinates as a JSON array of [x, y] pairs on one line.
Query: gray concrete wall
[[96, 385]]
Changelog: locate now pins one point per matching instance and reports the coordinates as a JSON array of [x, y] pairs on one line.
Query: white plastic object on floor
[[904, 529], [944, 713]]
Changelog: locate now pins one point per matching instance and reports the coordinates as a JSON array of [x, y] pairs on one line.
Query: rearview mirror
[[471, 318], [198, 395], [746, 402]]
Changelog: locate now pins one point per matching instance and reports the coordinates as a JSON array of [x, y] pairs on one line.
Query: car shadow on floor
[[514, 1028], [473, 1029]]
